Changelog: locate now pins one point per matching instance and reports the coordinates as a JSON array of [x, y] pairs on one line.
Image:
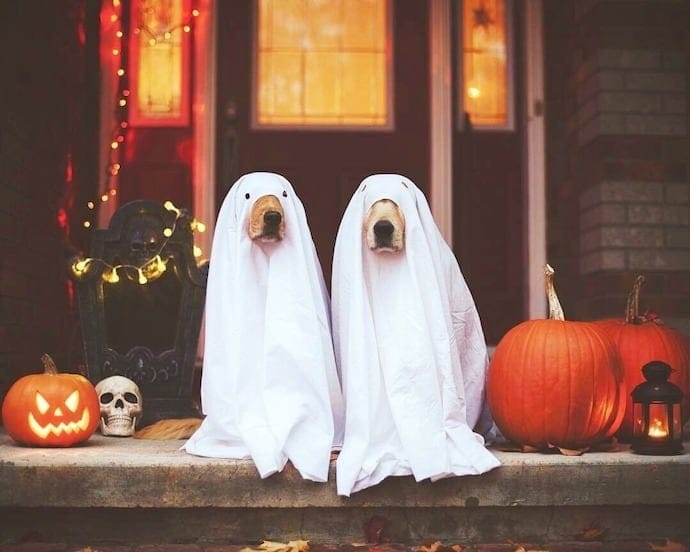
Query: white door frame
[[441, 154]]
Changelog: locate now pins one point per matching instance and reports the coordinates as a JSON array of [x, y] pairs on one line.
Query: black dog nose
[[272, 218], [383, 228]]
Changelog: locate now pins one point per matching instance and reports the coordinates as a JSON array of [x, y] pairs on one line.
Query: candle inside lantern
[[658, 430]]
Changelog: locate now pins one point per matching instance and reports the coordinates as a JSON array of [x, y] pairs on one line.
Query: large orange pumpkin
[[642, 339], [556, 383], [51, 409]]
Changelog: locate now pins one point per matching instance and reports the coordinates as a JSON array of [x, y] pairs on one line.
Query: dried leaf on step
[[670, 546], [592, 532], [572, 452], [528, 448], [272, 546], [433, 547]]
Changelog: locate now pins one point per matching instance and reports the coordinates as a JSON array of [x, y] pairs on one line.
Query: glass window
[[159, 57], [486, 76], [322, 63]]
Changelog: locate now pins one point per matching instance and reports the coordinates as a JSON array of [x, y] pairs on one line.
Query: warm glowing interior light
[[197, 251], [111, 276], [323, 63], [485, 62], [159, 57]]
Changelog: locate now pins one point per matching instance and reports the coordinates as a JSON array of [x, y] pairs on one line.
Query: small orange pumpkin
[[51, 409], [642, 339], [556, 383]]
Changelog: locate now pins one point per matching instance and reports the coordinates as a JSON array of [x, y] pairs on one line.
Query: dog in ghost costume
[[409, 344], [270, 389]]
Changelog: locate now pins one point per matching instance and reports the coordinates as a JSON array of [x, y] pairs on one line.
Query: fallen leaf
[[670, 546], [592, 532], [433, 547], [272, 546]]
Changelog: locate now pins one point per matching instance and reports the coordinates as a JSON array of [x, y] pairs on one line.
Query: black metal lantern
[[657, 421]]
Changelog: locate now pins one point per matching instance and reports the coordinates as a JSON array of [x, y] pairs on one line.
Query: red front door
[[324, 165]]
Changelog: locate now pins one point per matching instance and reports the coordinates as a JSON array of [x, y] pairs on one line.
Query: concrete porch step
[[135, 492]]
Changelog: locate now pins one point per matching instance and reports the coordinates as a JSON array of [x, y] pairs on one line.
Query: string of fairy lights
[[155, 266]]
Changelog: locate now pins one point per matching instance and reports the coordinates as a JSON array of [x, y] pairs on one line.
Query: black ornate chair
[[142, 320]]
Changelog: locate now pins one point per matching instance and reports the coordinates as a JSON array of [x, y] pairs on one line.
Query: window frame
[[388, 126]]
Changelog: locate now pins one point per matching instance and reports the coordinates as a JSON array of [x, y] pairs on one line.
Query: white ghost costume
[[410, 349], [270, 389]]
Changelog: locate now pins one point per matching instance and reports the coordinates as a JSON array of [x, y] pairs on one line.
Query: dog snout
[[267, 219], [272, 218], [383, 228]]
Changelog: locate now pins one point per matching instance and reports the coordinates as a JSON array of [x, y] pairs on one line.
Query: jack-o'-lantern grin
[[55, 426]]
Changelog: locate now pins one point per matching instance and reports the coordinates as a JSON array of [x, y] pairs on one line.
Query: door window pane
[[323, 63], [485, 74], [159, 59]]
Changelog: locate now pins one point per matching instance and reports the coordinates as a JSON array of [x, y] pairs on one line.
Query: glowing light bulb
[[111, 276], [473, 92], [195, 13], [186, 28], [87, 224], [152, 41], [197, 251], [79, 267], [119, 34], [122, 102], [167, 35], [113, 191], [104, 198], [120, 72], [116, 52], [200, 226], [114, 145], [90, 205], [142, 279], [167, 232]]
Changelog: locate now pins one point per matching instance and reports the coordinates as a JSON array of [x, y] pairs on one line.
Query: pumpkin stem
[[632, 307], [555, 309], [49, 365]]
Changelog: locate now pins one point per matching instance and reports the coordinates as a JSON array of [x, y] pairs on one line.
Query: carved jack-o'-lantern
[[51, 409]]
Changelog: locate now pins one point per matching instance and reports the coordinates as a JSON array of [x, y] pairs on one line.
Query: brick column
[[628, 140]]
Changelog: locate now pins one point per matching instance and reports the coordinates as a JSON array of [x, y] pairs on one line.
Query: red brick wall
[[619, 168], [41, 120]]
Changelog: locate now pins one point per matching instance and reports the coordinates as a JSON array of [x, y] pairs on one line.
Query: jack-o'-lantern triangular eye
[[72, 401], [41, 403]]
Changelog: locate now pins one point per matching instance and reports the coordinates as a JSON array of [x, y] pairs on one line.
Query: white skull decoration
[[121, 405]]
